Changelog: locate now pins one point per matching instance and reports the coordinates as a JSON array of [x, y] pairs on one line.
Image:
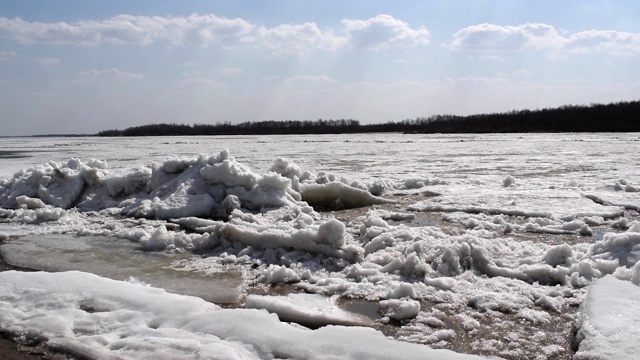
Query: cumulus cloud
[[8, 55], [615, 42], [382, 32], [492, 38], [495, 38], [112, 75], [126, 29], [295, 38]]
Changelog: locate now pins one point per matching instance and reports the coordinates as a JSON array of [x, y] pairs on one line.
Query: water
[[120, 260]]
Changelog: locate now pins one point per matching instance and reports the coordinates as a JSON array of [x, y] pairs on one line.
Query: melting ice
[[494, 246]]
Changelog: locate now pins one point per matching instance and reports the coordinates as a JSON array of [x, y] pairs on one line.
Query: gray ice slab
[[119, 259]]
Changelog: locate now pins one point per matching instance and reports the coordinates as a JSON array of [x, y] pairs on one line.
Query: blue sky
[[85, 66]]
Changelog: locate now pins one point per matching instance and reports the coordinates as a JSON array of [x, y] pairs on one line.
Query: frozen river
[[500, 245]]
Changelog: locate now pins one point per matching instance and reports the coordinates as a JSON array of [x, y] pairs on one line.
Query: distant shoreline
[[620, 117], [614, 117]]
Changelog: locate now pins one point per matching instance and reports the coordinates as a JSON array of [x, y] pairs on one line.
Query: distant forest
[[615, 117]]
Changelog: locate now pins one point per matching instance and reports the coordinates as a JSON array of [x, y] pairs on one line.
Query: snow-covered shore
[[491, 255]]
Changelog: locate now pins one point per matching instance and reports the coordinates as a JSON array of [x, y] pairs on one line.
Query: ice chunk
[[327, 238], [622, 247], [559, 255], [400, 309], [279, 274], [336, 195], [30, 203], [286, 168], [508, 181], [402, 290], [89, 315], [608, 326], [230, 173], [307, 309]]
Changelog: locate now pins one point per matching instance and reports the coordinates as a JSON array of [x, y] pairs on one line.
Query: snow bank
[[180, 190], [609, 325], [177, 188], [93, 317]]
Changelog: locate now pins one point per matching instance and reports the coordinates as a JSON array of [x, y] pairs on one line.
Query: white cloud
[[496, 38], [230, 71], [311, 79], [112, 75], [294, 38], [271, 78], [8, 55], [195, 29], [382, 32], [487, 57], [492, 38], [199, 83], [614, 42], [49, 61]]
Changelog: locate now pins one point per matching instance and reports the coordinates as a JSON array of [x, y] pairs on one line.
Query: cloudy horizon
[[71, 67]]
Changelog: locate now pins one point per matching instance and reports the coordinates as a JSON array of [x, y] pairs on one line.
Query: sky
[[80, 67]]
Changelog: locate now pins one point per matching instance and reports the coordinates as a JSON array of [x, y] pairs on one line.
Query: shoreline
[[11, 350]]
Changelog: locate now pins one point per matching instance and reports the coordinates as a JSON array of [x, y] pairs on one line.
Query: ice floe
[[489, 246]]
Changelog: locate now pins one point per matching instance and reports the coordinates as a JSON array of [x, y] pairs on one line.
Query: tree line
[[615, 117], [270, 127]]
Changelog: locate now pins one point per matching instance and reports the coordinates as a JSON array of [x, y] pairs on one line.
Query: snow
[[87, 315], [610, 321], [307, 309], [338, 195], [484, 244], [400, 309]]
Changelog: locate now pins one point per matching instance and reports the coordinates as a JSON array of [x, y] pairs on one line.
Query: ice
[[609, 325], [485, 244], [311, 310], [326, 238], [336, 195], [87, 315], [622, 247], [400, 309], [277, 274], [567, 205], [120, 260], [29, 203]]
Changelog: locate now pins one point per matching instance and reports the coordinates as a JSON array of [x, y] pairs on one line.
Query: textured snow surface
[[306, 309], [482, 244], [95, 317], [610, 320]]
